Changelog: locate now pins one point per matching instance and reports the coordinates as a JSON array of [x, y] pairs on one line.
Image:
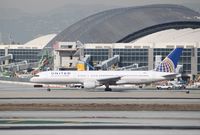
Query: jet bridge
[[143, 68], [4, 58], [133, 67], [109, 62], [18, 66]]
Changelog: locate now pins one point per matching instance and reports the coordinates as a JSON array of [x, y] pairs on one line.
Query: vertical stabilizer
[[169, 64]]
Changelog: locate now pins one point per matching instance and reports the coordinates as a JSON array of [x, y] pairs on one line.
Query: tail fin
[[169, 64], [90, 66]]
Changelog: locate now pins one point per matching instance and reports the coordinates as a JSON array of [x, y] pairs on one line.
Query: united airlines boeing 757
[[93, 79]]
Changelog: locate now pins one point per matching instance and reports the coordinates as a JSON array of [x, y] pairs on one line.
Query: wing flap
[[109, 80], [170, 75]]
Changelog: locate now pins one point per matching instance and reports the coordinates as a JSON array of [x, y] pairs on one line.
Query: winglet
[[169, 64]]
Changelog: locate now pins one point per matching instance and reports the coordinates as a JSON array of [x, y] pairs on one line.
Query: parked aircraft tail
[[90, 66], [169, 64]]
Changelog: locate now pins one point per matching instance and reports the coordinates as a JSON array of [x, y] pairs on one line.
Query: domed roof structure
[[128, 24], [40, 41], [186, 35]]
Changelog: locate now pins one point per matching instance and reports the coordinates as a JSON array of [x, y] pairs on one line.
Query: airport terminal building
[[143, 55], [144, 50], [28, 51]]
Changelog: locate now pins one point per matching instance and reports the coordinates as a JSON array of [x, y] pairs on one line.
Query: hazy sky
[[22, 30], [37, 6]]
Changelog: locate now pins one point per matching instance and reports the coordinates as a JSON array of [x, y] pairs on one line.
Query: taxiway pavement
[[87, 122]]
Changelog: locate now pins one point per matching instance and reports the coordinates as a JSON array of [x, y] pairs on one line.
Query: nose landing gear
[[48, 88]]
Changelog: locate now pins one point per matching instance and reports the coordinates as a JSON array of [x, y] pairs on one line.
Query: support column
[[6, 53], [150, 59], [194, 62]]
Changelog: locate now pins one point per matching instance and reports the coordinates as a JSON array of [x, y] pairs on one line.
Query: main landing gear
[[107, 88], [48, 88]]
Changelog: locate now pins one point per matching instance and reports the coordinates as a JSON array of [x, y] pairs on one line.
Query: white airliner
[[93, 79]]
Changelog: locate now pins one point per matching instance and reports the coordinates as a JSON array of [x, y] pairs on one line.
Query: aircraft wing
[[109, 80], [170, 75]]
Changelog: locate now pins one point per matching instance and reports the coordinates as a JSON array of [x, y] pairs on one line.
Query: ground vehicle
[[179, 86], [164, 87], [171, 86]]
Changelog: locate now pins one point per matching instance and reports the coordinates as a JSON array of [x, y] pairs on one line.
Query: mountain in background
[[20, 27]]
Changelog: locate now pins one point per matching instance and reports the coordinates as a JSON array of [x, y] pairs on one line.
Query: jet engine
[[89, 85]]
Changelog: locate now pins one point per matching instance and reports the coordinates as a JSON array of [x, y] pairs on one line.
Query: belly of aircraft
[[58, 80], [136, 80]]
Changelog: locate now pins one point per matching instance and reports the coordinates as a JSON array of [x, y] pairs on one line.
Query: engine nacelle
[[89, 85]]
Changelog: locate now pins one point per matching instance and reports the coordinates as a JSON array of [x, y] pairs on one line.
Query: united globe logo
[[166, 66]]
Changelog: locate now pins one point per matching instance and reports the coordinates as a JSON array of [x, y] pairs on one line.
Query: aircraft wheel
[[48, 89], [108, 89]]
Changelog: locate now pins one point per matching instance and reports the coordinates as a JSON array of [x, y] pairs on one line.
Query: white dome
[[40, 42], [172, 36]]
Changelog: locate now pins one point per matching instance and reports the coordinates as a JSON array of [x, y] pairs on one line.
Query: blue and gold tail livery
[[169, 64]]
